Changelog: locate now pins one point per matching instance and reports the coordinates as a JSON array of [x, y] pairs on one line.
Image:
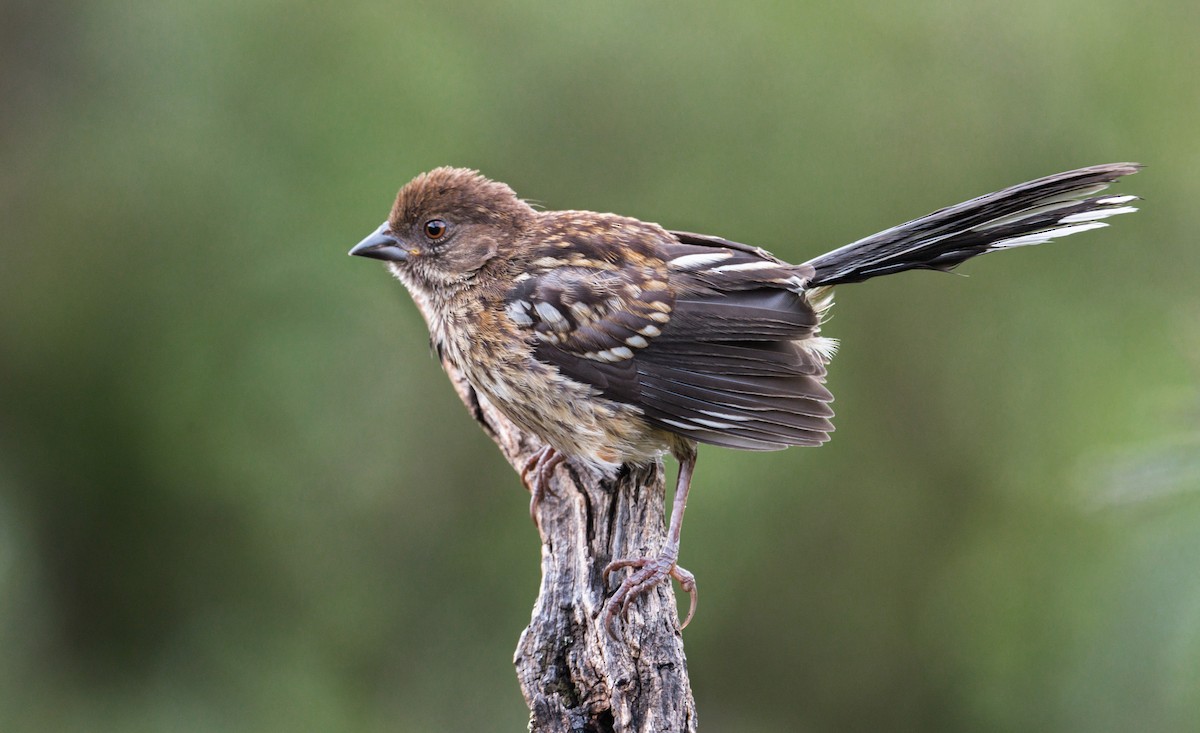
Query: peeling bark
[[573, 675]]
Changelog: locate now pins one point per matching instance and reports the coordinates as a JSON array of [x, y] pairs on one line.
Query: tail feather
[[1030, 213]]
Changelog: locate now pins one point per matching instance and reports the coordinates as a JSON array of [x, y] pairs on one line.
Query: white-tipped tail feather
[[1031, 213]]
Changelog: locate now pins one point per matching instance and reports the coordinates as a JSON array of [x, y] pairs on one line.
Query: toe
[[616, 565]]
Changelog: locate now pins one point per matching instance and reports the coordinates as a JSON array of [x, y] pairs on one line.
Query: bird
[[616, 341]]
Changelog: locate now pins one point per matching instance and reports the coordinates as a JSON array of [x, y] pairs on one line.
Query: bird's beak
[[380, 245]]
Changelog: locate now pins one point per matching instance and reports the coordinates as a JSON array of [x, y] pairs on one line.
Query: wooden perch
[[574, 676]]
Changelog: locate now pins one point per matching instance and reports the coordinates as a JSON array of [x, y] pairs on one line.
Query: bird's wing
[[708, 340]]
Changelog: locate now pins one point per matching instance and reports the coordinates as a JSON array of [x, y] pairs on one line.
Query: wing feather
[[707, 337]]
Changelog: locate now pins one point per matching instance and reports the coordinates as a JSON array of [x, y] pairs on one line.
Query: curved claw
[[687, 583], [535, 500], [650, 572], [532, 464], [536, 477]]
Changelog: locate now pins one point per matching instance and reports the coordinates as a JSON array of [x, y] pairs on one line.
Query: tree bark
[[574, 676]]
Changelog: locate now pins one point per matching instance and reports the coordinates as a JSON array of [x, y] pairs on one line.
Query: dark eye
[[436, 228]]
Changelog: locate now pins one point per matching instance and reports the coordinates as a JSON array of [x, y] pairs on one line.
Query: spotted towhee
[[615, 340]]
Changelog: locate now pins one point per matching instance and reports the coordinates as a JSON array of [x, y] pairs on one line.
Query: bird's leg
[[650, 571], [536, 476]]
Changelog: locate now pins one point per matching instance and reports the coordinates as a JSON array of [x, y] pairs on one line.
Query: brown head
[[445, 226]]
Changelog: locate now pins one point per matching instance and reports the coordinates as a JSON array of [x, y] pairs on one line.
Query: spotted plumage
[[615, 340]]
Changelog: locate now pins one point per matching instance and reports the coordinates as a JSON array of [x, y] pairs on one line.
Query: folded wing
[[711, 339]]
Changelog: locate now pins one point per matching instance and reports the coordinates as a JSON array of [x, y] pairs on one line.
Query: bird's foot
[[536, 477], [650, 571]]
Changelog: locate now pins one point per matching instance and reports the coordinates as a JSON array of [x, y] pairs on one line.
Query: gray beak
[[380, 245]]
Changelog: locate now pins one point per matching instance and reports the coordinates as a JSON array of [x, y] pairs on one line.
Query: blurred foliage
[[237, 494]]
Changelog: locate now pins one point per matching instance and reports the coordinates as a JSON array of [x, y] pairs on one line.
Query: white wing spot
[[743, 266], [637, 342], [691, 262], [550, 315], [724, 416], [518, 311], [620, 353], [581, 311]]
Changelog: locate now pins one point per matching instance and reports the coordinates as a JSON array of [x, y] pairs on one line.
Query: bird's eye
[[436, 228]]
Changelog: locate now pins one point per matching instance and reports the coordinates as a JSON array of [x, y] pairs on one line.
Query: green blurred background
[[237, 493]]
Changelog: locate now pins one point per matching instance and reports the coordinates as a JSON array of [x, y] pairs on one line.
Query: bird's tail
[[1029, 213]]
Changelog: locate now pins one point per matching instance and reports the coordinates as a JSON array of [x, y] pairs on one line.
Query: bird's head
[[445, 226]]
